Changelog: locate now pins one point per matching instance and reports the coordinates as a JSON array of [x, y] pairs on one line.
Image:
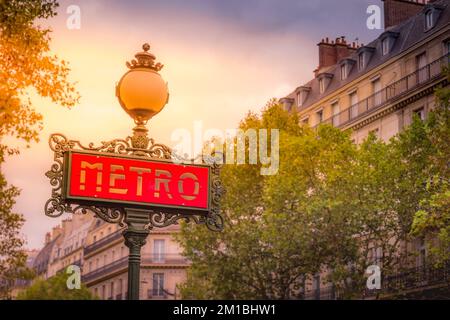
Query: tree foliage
[[334, 208], [432, 220], [55, 288], [26, 64]]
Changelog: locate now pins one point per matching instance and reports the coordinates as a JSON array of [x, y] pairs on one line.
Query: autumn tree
[[26, 64]]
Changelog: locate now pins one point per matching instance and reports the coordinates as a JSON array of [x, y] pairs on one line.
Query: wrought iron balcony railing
[[172, 259], [113, 266], [410, 280], [157, 293], [77, 263], [389, 94], [167, 258], [417, 278], [102, 242]]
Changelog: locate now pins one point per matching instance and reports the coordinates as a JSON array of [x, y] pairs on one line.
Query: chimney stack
[[327, 53], [331, 52], [397, 11]]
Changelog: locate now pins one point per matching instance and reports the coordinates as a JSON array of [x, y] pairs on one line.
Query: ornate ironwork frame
[[137, 145]]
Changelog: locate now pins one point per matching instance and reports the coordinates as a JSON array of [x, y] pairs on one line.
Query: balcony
[[77, 263], [111, 267], [413, 282], [324, 293], [417, 279], [102, 242], [390, 94], [172, 259], [165, 260], [157, 294]]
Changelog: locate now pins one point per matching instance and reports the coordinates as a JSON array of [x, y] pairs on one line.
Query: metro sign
[[133, 181]]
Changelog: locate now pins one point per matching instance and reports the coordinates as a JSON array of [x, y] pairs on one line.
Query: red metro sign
[[136, 182]]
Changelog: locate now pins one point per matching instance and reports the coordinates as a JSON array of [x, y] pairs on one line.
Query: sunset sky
[[222, 58]]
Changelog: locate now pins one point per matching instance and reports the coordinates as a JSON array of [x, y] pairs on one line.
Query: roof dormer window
[[302, 94], [287, 103], [388, 41], [324, 80], [343, 72], [431, 15], [385, 46], [361, 62], [322, 85], [346, 66], [429, 19], [364, 54]]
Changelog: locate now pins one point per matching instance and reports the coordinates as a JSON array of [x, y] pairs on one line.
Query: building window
[[335, 109], [429, 19], [95, 238], [421, 259], [385, 46], [321, 85], [361, 62], [343, 72], [447, 47], [103, 292], [376, 92], [158, 250], [316, 286], [353, 97], [158, 284], [111, 293], [299, 99], [305, 121], [119, 296], [420, 113], [319, 116], [422, 71]]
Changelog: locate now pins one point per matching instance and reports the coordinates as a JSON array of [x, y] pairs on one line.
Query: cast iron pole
[[135, 237]]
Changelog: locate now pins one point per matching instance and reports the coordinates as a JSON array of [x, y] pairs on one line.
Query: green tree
[[432, 220], [333, 206], [26, 63], [55, 288], [275, 225]]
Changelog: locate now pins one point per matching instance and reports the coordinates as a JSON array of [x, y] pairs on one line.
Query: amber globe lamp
[[141, 91]]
